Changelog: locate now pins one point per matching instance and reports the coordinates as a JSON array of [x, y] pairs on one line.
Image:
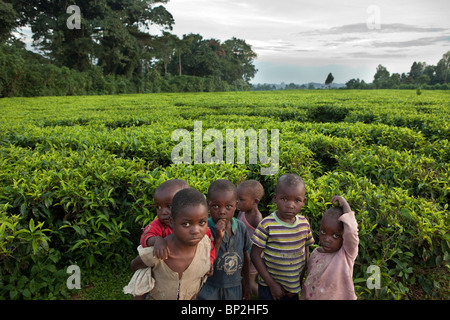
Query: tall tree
[[381, 77], [417, 70], [108, 33], [181, 47], [241, 57], [443, 67], [329, 80], [8, 20]]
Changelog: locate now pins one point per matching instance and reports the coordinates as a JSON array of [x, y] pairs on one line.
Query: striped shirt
[[284, 247]]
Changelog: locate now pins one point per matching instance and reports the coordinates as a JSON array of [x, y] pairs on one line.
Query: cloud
[[427, 41], [384, 28]]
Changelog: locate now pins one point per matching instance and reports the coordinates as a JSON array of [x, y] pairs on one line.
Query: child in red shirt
[[155, 232]]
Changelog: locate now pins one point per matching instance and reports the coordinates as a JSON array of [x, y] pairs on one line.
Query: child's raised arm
[[342, 203], [350, 236]]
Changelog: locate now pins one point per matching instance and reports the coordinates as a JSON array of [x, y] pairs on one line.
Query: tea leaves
[[77, 176]]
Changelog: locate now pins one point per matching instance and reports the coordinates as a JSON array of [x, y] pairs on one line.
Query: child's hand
[[277, 291], [342, 203], [160, 249], [246, 295], [211, 271], [220, 228]]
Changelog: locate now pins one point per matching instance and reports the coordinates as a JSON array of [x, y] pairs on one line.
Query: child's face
[[222, 205], [245, 201], [163, 203], [290, 201], [190, 224], [330, 234]]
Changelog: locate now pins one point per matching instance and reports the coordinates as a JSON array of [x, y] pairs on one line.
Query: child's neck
[[181, 255], [252, 212], [253, 216]]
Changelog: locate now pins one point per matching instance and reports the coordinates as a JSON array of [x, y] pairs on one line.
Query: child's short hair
[[171, 183], [290, 179], [333, 212], [221, 185], [254, 187], [186, 198]]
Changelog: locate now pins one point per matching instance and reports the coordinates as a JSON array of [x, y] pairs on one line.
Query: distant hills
[[294, 86]]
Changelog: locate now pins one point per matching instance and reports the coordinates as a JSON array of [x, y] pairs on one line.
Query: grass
[[104, 285]]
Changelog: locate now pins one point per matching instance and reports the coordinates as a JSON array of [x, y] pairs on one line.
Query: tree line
[[420, 75], [113, 51]]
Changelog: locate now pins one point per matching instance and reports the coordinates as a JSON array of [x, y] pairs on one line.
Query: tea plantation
[[77, 176]]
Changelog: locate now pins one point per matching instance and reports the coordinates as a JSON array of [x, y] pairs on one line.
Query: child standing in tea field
[[249, 193], [181, 275], [230, 280], [284, 237], [330, 267]]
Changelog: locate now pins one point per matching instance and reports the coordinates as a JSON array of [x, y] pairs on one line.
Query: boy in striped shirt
[[284, 238]]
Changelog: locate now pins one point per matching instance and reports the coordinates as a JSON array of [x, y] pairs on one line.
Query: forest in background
[[113, 51]]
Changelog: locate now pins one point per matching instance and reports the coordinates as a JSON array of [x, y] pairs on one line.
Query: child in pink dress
[[330, 267]]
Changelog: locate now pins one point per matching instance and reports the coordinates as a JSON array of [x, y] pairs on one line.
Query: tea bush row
[[77, 176]]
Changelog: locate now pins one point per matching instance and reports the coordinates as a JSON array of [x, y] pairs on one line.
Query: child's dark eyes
[[335, 235], [296, 200], [187, 224]]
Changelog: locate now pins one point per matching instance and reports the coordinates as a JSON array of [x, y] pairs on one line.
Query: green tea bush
[[78, 174], [29, 267]]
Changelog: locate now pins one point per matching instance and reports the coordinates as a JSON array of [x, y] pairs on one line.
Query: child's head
[[163, 196], [289, 196], [331, 230], [222, 199], [249, 193], [189, 216]]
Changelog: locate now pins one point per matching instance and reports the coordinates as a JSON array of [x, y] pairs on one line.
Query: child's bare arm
[[350, 236], [137, 263], [160, 248], [220, 233], [275, 288], [302, 275]]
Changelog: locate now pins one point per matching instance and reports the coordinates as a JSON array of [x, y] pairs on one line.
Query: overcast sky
[[302, 41]]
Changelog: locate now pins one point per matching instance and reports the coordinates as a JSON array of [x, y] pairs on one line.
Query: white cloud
[[322, 33]]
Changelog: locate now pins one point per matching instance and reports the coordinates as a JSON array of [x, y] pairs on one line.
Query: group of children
[[186, 253]]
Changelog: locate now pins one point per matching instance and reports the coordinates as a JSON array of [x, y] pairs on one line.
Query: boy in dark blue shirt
[[231, 242]]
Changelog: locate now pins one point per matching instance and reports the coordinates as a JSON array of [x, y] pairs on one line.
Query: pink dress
[[250, 230], [330, 275]]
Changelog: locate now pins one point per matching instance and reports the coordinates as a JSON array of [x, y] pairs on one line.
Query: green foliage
[[29, 266], [77, 177]]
